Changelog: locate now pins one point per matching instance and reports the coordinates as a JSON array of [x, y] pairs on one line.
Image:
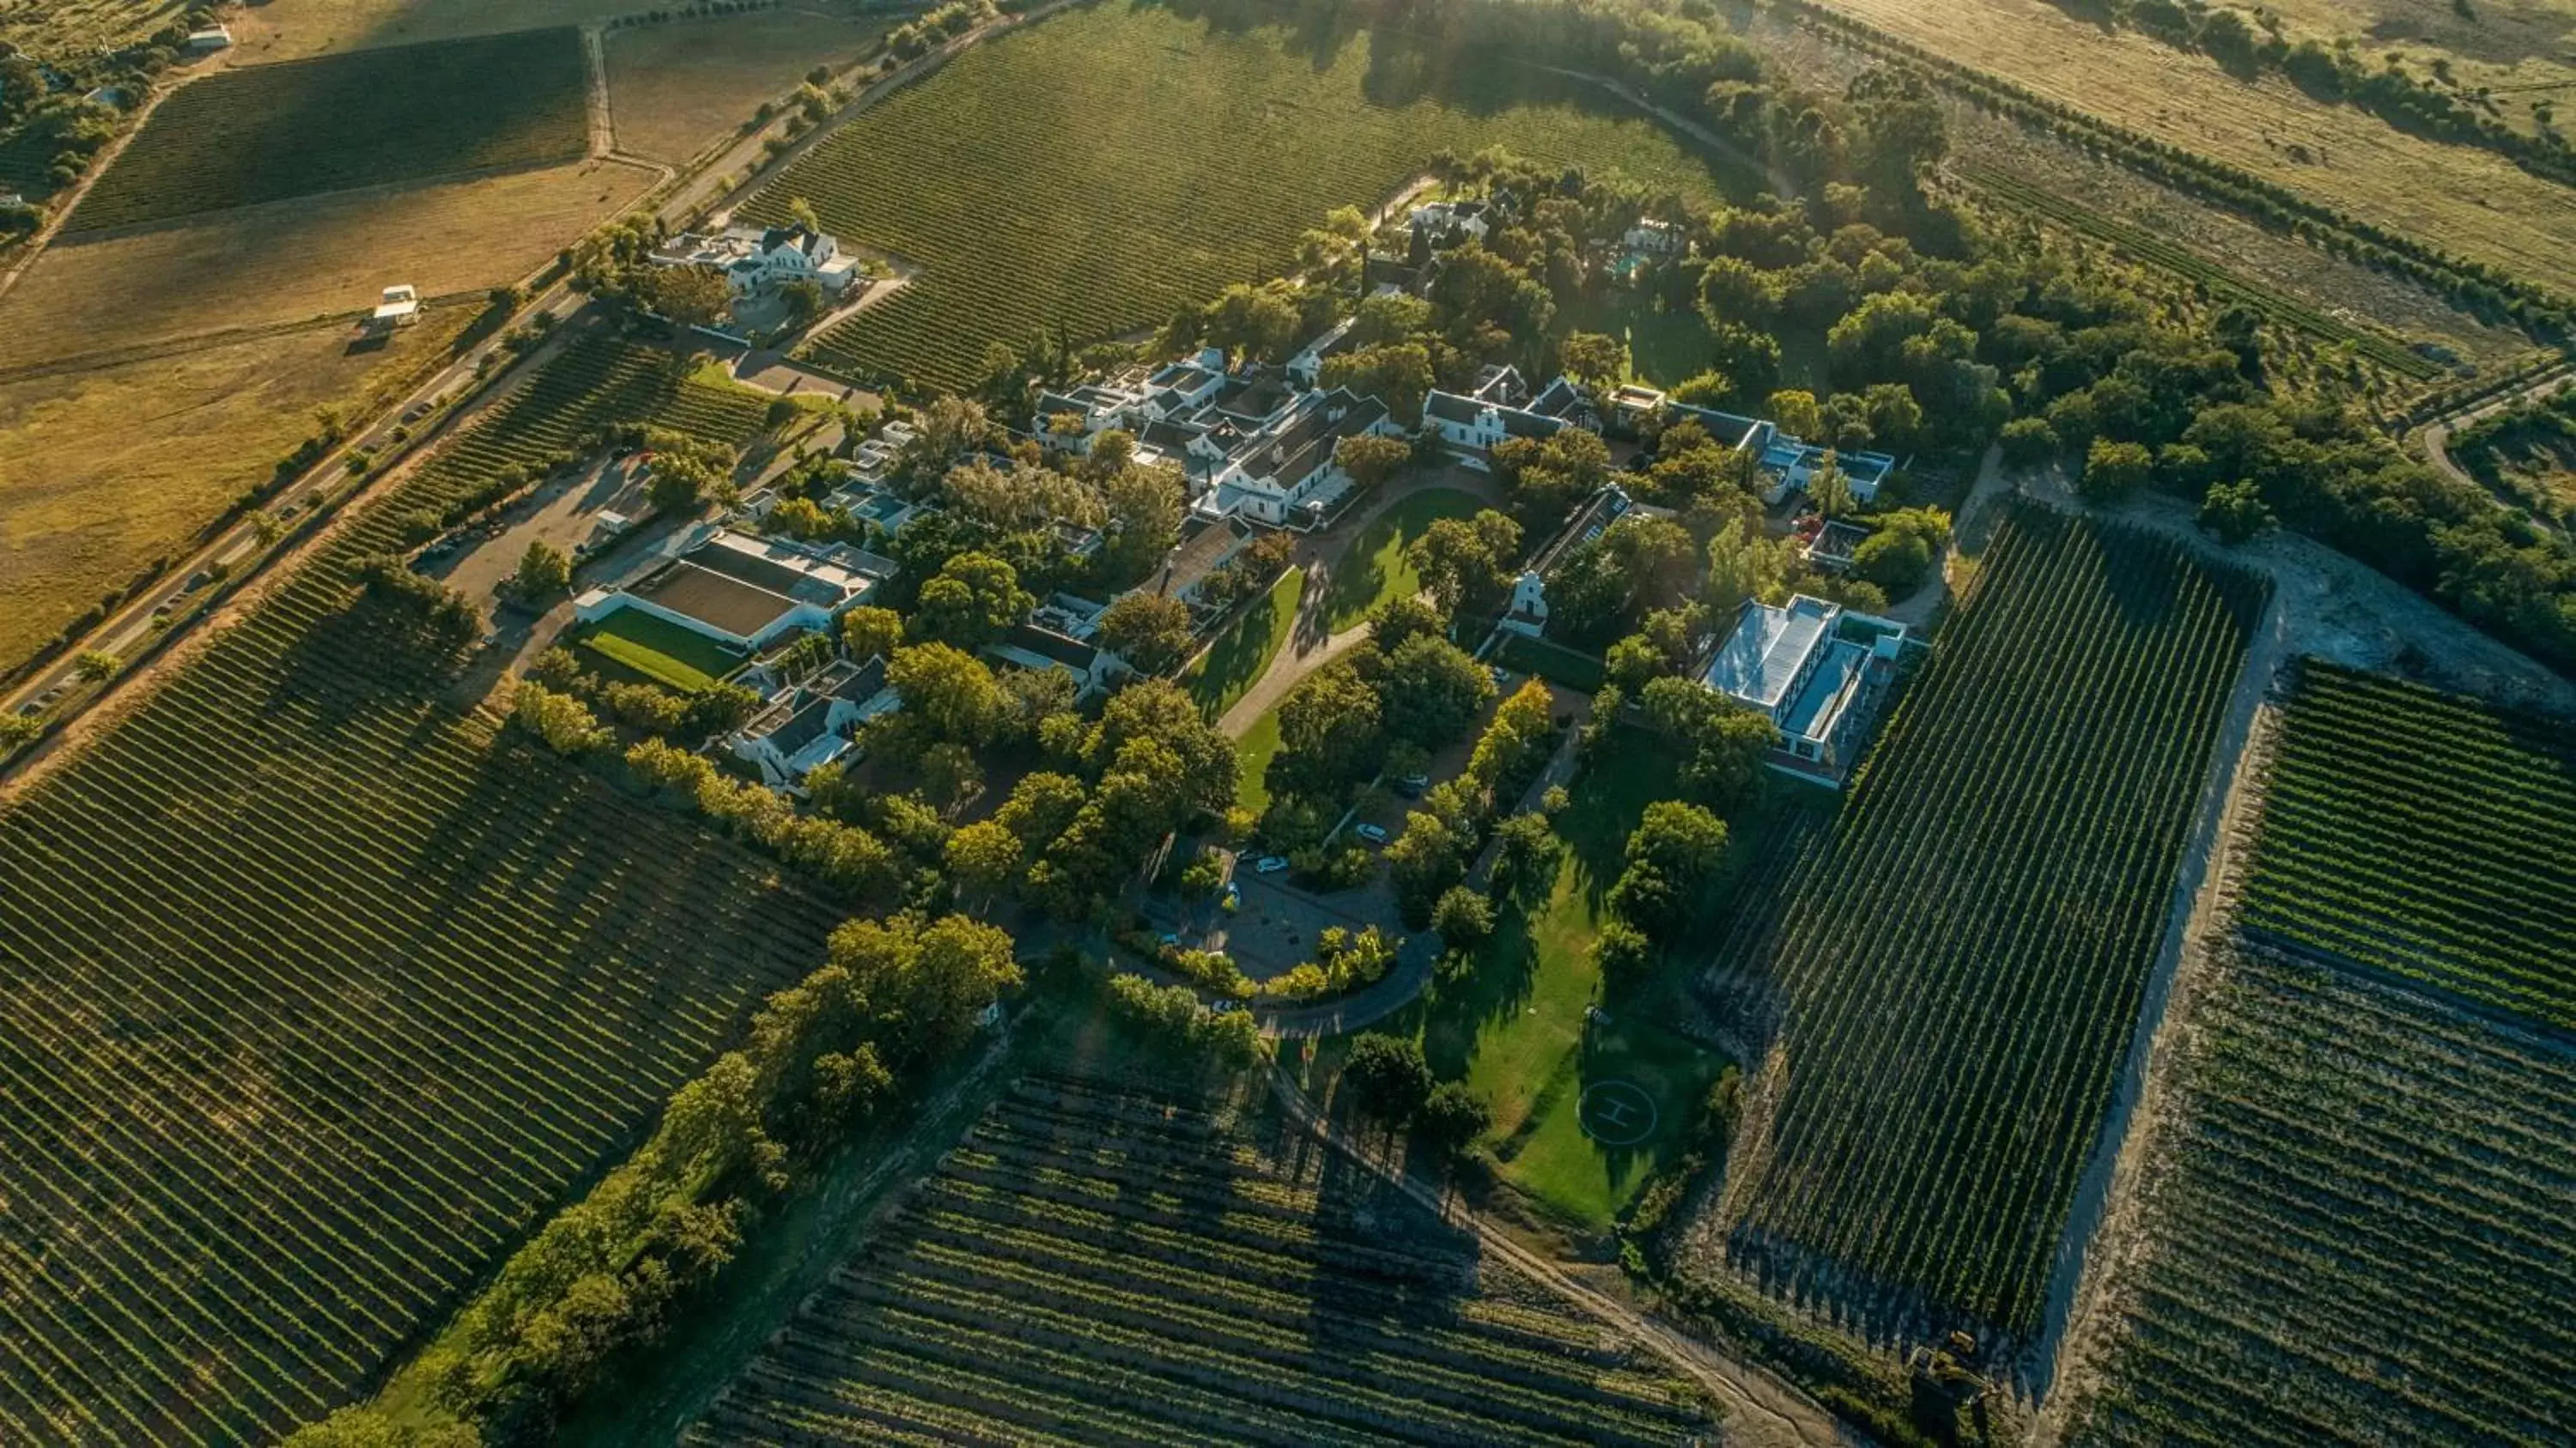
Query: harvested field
[[1039, 182], [104, 470], [301, 29], [2466, 200], [1951, 975], [1100, 1264], [2358, 1234], [676, 89], [295, 262], [318, 994], [241, 137], [2424, 835]]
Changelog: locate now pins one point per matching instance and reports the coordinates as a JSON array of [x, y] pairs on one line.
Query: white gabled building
[[1501, 408], [759, 259], [1285, 474], [1808, 666], [813, 724]]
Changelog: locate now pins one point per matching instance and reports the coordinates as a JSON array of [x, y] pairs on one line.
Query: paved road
[[2437, 433]]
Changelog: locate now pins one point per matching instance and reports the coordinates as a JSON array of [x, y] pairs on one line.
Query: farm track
[[377, 987], [1091, 1267]]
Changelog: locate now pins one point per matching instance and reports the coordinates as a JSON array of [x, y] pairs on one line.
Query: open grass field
[[1240, 655], [661, 651], [2422, 835], [1375, 569], [292, 262], [241, 137], [1097, 1264], [2463, 199], [1252, 755], [1951, 976], [317, 994], [1666, 347], [1042, 181], [2361, 1235], [55, 27], [676, 89], [103, 471], [1515, 1026]]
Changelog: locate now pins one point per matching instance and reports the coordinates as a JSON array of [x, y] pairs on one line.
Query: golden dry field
[[302, 29], [103, 470], [60, 25], [298, 260], [2465, 200], [676, 89]]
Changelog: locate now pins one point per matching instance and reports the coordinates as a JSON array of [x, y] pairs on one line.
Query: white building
[[1285, 474], [1527, 613], [1501, 408], [755, 260], [1788, 465], [1059, 635], [1807, 666], [1448, 222], [746, 592], [810, 725]]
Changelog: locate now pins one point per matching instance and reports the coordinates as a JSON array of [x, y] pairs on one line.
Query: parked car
[[1270, 864], [1412, 785], [1500, 678], [1374, 834]]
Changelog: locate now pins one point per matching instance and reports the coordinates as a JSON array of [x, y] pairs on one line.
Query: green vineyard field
[[315, 995], [1954, 974], [1112, 165], [369, 118], [2424, 835], [2368, 343], [2364, 1238], [1093, 1266]]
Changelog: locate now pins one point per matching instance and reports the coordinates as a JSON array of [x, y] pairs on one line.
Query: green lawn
[[1375, 568], [1252, 755], [1242, 654], [1665, 348], [661, 651], [1554, 662], [1514, 1028]]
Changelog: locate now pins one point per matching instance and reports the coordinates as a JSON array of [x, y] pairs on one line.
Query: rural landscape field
[[1075, 722]]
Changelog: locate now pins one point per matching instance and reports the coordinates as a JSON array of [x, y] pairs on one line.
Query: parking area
[[574, 514]]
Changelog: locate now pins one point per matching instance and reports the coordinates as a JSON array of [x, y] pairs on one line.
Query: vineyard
[[275, 132], [2364, 1238], [2368, 343], [1095, 1266], [313, 994], [1095, 173], [2422, 835], [1954, 971]]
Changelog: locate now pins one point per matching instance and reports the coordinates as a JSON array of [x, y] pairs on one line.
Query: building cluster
[[756, 260]]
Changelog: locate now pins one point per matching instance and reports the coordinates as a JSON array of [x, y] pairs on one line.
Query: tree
[[1431, 690], [871, 633], [1621, 952], [2113, 470], [1453, 1117], [1464, 918], [983, 857], [1797, 413], [949, 697], [544, 571], [1145, 506], [563, 723], [1546, 477], [2029, 442], [1397, 373], [1254, 323], [684, 296], [1829, 488], [1467, 563], [1371, 459], [1398, 619], [1526, 855], [1149, 630], [1595, 359], [924, 981], [2235, 512], [1744, 562], [973, 601], [1197, 756], [1330, 732], [1424, 862], [1388, 1076], [95, 665], [1671, 858], [1895, 561], [1723, 742]]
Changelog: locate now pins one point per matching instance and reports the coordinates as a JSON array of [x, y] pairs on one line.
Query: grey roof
[[1307, 441], [1769, 649], [766, 574], [862, 682], [1204, 547], [1450, 407], [811, 721], [1558, 399], [1048, 644], [1820, 704]]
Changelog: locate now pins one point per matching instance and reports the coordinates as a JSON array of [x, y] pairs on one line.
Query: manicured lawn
[[1375, 568], [1252, 755], [1515, 1030], [1242, 654], [1554, 662], [1665, 348], [663, 652]]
